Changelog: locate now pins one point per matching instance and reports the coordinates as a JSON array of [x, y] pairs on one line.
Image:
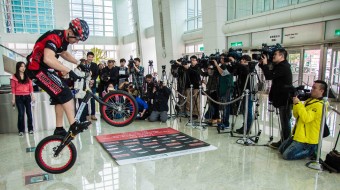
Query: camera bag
[[332, 162]]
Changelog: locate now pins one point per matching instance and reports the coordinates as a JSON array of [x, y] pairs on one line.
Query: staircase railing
[[12, 54]]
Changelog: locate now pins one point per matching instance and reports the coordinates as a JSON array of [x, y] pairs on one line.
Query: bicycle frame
[[86, 98]]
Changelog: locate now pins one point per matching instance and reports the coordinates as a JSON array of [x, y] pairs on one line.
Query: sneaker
[[78, 127], [93, 117], [221, 127], [275, 145], [60, 131], [30, 132], [21, 134]]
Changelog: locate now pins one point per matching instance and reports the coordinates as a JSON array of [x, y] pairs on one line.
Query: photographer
[[137, 72], [225, 88], [305, 139], [160, 98], [281, 76], [193, 73], [212, 92], [242, 72], [110, 74], [123, 72], [142, 105]]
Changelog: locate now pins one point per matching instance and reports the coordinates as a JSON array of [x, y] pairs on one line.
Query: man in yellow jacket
[[308, 116]]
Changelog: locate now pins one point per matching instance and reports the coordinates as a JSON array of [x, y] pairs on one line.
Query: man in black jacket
[[94, 74], [281, 76], [160, 98]]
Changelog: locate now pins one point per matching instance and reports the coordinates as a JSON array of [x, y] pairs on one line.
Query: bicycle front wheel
[[47, 161], [122, 110]]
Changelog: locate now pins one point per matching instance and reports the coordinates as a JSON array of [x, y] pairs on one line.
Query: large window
[[97, 13], [28, 16], [242, 8], [131, 18], [194, 14]]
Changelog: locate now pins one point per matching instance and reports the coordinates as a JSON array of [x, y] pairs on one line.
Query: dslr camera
[[265, 50], [300, 91]]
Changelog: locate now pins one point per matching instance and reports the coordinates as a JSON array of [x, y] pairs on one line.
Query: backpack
[[332, 162]]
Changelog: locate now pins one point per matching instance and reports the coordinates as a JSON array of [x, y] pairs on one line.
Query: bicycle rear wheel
[[44, 155], [123, 109]]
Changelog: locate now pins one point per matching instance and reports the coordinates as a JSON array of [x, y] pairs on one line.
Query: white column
[[172, 14], [214, 14]]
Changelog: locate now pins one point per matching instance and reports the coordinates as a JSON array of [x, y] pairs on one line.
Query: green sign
[[233, 44], [202, 48], [337, 32]]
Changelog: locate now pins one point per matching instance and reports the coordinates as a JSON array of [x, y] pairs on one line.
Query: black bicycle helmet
[[80, 28]]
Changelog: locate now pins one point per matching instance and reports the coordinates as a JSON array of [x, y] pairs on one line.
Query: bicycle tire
[[69, 153], [124, 111]]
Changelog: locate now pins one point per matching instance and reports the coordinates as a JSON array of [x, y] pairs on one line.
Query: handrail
[[12, 51]]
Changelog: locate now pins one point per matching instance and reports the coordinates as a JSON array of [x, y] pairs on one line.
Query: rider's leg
[[59, 113], [68, 107]]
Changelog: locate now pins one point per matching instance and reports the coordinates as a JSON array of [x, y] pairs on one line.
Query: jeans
[[250, 112], [93, 105], [285, 113], [226, 108], [23, 102], [293, 150], [158, 115]]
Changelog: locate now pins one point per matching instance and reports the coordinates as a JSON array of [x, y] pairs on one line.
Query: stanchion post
[[200, 102], [191, 86], [316, 164]]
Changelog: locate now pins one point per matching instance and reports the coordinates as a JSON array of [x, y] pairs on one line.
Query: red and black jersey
[[54, 40]]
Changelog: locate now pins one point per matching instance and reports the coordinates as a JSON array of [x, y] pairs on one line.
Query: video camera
[[183, 60], [300, 91], [267, 51], [235, 53]]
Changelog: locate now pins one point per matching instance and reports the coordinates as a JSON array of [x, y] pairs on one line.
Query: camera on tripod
[[300, 92], [150, 63], [267, 51], [131, 62]]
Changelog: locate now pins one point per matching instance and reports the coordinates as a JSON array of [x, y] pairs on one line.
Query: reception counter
[[43, 114]]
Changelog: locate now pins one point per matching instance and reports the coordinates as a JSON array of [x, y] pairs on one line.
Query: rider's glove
[[83, 68], [74, 76]]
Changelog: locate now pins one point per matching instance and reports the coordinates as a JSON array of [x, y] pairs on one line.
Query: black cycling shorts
[[56, 87]]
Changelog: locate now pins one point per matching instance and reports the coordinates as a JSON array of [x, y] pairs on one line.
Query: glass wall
[[243, 8], [97, 13], [131, 18], [28, 16], [194, 14]]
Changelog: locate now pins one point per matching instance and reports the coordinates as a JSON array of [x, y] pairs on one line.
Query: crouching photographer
[[304, 141], [160, 98]]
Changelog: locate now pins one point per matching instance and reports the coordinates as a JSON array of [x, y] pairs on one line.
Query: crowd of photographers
[[229, 74], [226, 76]]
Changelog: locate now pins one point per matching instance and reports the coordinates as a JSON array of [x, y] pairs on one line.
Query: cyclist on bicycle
[[43, 63]]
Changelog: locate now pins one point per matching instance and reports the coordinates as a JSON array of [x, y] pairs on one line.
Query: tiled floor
[[231, 166]]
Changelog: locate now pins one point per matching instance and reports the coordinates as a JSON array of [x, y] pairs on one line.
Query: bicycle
[[57, 154]]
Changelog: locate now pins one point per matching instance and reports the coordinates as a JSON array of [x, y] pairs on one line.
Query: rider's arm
[[52, 61], [68, 57]]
